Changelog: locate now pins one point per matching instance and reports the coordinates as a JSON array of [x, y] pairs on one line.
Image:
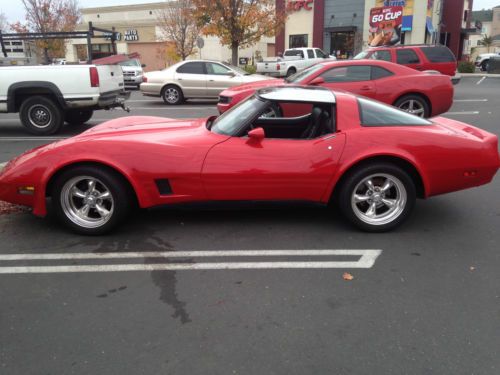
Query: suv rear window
[[407, 56], [438, 54]]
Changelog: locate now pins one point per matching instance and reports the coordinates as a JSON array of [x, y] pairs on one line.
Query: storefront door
[[342, 44]]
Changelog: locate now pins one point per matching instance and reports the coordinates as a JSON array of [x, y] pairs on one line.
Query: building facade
[[342, 27], [138, 32]]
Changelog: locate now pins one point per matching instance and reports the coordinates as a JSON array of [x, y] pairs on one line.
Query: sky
[[13, 9]]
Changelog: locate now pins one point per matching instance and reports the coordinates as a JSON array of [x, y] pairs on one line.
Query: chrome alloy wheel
[[413, 106], [39, 116], [171, 95], [87, 202], [379, 199]]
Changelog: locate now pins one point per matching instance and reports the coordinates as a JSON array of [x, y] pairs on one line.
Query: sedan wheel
[[90, 200], [172, 95], [377, 197]]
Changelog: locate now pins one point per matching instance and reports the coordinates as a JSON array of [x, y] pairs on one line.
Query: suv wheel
[[485, 65]]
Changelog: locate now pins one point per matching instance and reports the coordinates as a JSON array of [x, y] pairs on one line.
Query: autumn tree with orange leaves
[[239, 23], [44, 16]]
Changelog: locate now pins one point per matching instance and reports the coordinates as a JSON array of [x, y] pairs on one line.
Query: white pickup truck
[[49, 95], [294, 60], [483, 60]]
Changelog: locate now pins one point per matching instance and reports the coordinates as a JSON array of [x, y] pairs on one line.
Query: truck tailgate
[[110, 78]]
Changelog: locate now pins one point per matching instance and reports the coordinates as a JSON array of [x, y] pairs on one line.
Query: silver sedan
[[194, 79]]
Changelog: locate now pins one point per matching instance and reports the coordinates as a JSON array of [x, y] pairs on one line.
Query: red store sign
[[295, 5]]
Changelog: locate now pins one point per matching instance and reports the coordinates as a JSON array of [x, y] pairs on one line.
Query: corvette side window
[[373, 113]]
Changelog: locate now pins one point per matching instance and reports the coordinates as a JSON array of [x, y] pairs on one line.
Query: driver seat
[[313, 124]]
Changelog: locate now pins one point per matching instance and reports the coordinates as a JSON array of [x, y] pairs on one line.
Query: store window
[[298, 41], [342, 44]]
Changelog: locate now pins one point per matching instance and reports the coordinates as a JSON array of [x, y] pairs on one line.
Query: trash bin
[[494, 65]]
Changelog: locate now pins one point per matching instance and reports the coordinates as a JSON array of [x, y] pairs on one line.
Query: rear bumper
[[112, 99], [456, 79], [151, 89]]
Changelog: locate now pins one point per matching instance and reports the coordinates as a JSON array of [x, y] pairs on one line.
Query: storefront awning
[[341, 29]]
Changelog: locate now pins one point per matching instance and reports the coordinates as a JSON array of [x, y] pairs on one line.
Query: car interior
[[297, 120]]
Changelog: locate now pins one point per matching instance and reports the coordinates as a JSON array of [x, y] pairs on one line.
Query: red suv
[[419, 57]]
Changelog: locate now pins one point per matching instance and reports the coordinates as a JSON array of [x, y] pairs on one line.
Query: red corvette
[[373, 160], [421, 93]]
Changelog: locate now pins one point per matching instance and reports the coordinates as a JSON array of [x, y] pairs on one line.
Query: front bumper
[[132, 80]]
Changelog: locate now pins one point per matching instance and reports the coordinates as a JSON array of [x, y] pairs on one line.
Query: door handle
[[365, 88], [179, 79], [211, 80]]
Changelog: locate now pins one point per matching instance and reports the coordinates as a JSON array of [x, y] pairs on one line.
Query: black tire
[[41, 115], [403, 103], [78, 116], [65, 208], [485, 65], [172, 95], [384, 218], [291, 72]]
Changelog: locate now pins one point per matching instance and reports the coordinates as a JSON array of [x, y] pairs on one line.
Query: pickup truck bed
[[47, 96]]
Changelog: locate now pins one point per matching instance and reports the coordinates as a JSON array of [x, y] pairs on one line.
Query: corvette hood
[[143, 124], [252, 86]]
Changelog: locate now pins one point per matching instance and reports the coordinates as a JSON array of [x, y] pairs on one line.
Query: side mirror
[[317, 81], [143, 65], [231, 74], [256, 134]]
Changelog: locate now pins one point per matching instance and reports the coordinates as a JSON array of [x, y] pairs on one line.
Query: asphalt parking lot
[[424, 299]]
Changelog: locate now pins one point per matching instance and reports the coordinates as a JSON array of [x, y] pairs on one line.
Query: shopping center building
[[342, 27], [139, 32]]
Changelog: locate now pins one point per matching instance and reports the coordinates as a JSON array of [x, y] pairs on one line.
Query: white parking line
[[470, 100], [366, 260], [462, 113], [35, 139], [481, 80]]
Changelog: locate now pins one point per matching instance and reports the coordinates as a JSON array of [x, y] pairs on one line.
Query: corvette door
[[354, 78], [273, 169]]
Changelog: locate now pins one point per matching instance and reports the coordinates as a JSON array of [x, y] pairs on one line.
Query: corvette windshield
[[297, 77], [232, 121]]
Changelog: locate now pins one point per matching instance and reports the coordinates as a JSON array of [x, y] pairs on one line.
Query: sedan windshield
[[234, 120], [129, 63], [297, 77]]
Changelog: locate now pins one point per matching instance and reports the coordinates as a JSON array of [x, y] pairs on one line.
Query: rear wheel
[[41, 116], [291, 72], [414, 104], [172, 95], [78, 116], [90, 200], [377, 197]]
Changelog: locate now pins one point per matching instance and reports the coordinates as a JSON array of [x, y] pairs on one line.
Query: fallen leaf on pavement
[[347, 276]]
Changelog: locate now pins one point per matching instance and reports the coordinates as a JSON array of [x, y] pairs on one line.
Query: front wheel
[[78, 116], [377, 197], [90, 200]]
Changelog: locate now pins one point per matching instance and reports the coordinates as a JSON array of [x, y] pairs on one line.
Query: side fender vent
[[163, 187]]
